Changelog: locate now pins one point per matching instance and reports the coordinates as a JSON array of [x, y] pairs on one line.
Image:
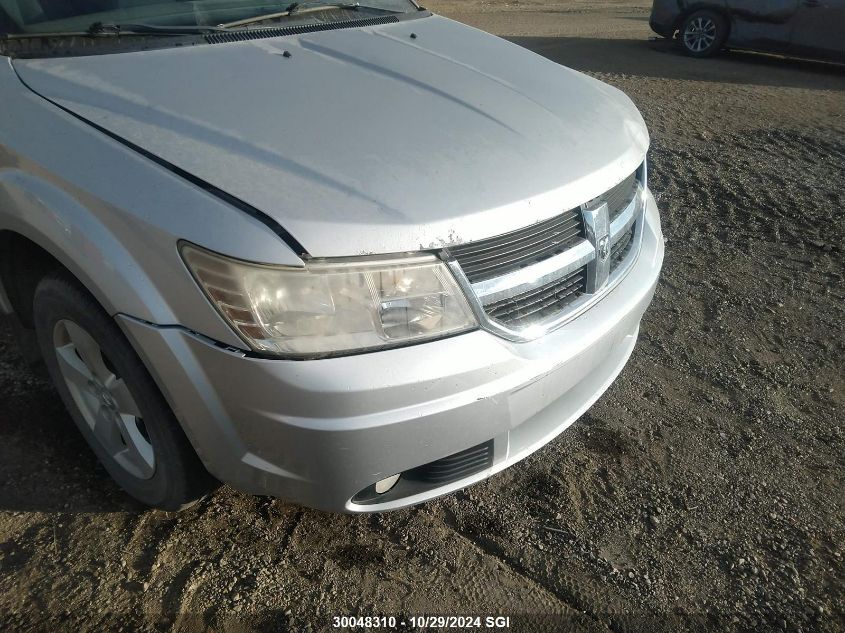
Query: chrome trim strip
[[625, 219], [525, 279], [465, 285]]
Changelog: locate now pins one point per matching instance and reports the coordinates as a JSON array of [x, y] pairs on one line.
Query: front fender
[[60, 224], [113, 217]]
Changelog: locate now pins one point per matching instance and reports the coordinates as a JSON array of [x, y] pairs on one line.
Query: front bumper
[[318, 432], [664, 17]]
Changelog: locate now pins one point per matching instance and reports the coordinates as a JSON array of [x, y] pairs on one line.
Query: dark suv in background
[[803, 28]]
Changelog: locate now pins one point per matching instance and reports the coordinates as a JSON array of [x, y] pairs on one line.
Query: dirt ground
[[705, 490]]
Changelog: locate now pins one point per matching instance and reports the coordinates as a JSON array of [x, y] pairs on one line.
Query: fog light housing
[[384, 485]]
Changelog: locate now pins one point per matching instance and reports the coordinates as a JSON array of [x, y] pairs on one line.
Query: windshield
[[82, 16]]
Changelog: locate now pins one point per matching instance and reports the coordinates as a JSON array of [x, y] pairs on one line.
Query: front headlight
[[332, 306]]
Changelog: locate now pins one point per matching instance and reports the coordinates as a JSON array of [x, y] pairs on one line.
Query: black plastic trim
[[433, 475], [298, 29], [80, 45]]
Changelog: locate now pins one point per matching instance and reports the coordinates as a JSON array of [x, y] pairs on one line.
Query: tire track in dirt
[[569, 590]]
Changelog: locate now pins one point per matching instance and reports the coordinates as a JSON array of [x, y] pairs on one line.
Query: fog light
[[386, 484]]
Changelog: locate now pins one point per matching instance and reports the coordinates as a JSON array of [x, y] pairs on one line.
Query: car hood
[[366, 140]]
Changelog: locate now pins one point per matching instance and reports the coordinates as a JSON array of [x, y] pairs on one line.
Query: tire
[[113, 399], [703, 33]]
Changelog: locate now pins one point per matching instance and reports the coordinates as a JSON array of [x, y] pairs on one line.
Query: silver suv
[[352, 256]]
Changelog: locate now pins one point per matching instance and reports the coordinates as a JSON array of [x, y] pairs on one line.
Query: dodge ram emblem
[[603, 247]]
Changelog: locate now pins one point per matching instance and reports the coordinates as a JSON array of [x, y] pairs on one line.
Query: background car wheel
[[113, 399], [703, 33]]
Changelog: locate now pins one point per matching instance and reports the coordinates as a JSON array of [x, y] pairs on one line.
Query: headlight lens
[[333, 306]]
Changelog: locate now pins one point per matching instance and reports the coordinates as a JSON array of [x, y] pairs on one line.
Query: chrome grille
[[621, 248], [528, 282], [540, 302], [619, 197], [486, 259]]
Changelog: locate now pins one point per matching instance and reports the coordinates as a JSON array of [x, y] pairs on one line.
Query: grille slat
[[538, 242], [561, 223], [619, 197], [446, 471], [497, 256], [619, 251], [450, 463], [552, 297], [557, 301], [520, 248], [496, 267], [522, 302], [454, 467]]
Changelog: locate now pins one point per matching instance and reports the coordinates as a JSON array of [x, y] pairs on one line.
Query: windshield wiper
[[297, 7], [304, 7], [99, 28]]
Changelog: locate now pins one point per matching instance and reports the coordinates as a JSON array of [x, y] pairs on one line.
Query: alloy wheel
[[700, 34], [103, 399]]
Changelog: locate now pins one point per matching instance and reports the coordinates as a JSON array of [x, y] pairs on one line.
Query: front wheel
[[703, 33], [112, 398]]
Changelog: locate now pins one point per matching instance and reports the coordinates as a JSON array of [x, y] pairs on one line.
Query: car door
[[761, 26], [818, 29]]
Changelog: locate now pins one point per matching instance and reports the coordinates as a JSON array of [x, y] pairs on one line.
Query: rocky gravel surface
[[704, 491]]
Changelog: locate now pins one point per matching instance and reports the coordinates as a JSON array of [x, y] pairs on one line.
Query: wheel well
[[22, 265]]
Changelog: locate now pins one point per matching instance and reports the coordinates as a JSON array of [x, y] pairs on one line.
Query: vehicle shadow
[[45, 464], [661, 59]]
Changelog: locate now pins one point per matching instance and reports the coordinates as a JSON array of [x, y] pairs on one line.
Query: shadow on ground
[[45, 465]]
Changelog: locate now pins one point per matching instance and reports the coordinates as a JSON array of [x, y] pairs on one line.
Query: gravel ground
[[703, 491]]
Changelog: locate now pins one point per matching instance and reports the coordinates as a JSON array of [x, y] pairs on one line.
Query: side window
[[7, 25], [770, 11]]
